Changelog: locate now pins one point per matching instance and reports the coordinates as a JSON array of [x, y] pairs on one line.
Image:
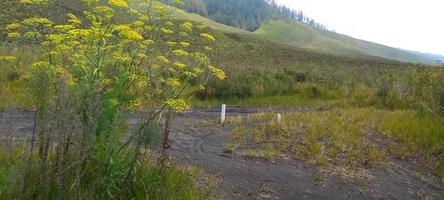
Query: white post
[[222, 114], [279, 118]]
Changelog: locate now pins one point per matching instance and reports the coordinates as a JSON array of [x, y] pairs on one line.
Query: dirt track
[[202, 144]]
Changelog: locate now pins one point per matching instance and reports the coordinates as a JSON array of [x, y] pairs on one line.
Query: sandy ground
[[202, 144]]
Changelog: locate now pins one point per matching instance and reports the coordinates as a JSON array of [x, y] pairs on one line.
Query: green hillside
[[304, 36], [297, 34]]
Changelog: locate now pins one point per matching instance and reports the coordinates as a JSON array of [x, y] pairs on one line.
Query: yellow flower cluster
[[207, 37], [126, 32], [166, 31], [181, 52], [7, 58], [185, 44], [64, 28], [217, 72], [13, 27], [179, 105], [187, 26], [136, 104], [72, 19], [183, 34], [180, 64], [171, 43], [163, 59], [79, 33], [38, 2], [13, 35], [118, 3], [173, 82], [37, 21]]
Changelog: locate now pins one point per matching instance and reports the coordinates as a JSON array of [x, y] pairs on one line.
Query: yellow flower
[[190, 74], [166, 31], [185, 44], [81, 33], [62, 47], [121, 28], [159, 8], [13, 27], [132, 35], [60, 71], [173, 82], [40, 64], [118, 3], [103, 11], [187, 26], [141, 84], [8, 58], [179, 105], [56, 38], [64, 28], [217, 72], [171, 44], [183, 34], [163, 59], [136, 104], [126, 32], [106, 82], [180, 64], [207, 37], [13, 35], [138, 24], [37, 2], [37, 21], [72, 19], [180, 52], [124, 58]]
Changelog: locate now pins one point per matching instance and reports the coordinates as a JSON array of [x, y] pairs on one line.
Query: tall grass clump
[[420, 136], [91, 73]]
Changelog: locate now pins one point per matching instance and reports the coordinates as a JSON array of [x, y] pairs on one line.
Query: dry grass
[[354, 138]]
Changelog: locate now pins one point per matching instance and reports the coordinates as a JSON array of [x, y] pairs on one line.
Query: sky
[[407, 24]]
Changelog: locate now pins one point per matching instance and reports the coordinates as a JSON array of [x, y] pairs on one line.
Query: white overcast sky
[[407, 24]]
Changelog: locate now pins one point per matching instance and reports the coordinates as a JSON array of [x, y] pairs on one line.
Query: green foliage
[[91, 72], [151, 180], [420, 134]]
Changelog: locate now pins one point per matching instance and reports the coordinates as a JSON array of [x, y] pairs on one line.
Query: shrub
[[91, 73]]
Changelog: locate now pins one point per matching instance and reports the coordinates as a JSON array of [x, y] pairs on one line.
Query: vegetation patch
[[363, 137], [85, 74]]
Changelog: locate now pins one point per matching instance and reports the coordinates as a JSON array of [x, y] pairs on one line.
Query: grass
[[294, 100], [302, 35], [352, 137], [416, 133], [153, 181]]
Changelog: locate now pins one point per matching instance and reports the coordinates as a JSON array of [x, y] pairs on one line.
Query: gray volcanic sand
[[202, 144]]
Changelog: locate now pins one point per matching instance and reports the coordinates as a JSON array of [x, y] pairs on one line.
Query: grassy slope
[[299, 35], [260, 67], [302, 35]]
